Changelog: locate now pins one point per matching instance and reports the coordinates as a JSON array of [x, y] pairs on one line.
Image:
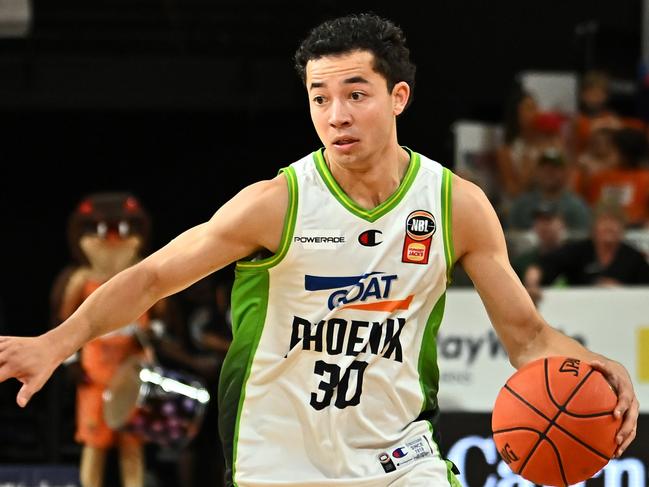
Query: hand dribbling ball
[[553, 421]]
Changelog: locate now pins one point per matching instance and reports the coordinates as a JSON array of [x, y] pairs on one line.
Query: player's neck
[[371, 181]]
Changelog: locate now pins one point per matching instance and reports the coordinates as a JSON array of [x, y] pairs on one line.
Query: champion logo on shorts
[[399, 453]]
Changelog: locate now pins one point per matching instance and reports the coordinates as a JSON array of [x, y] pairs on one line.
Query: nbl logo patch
[[420, 228]]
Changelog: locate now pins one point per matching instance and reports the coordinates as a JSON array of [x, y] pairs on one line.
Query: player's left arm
[[479, 246]]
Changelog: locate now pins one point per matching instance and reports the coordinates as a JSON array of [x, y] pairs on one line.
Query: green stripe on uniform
[[287, 232], [375, 213], [249, 305], [447, 222], [427, 364]]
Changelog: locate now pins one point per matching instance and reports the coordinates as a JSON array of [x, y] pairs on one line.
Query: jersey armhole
[[287, 231]]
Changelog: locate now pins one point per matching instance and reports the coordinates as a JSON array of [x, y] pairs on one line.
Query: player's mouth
[[344, 143]]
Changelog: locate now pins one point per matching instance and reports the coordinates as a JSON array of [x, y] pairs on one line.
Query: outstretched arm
[[481, 250], [249, 222]]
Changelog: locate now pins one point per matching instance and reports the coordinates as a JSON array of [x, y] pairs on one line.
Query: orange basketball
[[553, 421]]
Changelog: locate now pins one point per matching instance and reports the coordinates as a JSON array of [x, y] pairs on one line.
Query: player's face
[[352, 110]]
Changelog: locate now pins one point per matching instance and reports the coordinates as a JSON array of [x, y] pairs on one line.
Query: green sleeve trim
[[287, 232], [375, 213], [447, 223]]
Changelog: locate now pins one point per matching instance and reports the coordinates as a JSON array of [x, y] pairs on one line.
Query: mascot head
[[108, 231]]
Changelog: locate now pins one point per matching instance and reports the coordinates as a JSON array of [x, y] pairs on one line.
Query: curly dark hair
[[361, 32]]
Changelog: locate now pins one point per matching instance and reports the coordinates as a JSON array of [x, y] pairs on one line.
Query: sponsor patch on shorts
[[401, 455]]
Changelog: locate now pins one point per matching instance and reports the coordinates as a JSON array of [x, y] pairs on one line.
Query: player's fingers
[[25, 394], [627, 431]]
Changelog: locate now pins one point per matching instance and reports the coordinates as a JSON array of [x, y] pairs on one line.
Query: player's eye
[[318, 100], [357, 95]]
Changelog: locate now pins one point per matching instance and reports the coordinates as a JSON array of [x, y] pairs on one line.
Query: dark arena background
[[183, 103]]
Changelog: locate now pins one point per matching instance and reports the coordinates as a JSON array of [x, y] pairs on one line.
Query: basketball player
[[343, 263]]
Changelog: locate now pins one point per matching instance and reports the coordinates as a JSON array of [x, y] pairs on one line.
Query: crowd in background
[[572, 190]]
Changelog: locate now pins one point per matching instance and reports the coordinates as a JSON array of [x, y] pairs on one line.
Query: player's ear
[[400, 96]]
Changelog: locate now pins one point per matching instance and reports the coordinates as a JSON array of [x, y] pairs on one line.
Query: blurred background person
[[624, 180], [549, 231], [551, 188], [196, 342], [603, 259], [517, 156], [593, 110]]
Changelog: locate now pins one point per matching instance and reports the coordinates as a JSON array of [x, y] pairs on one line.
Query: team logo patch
[[420, 228], [369, 292], [370, 238]]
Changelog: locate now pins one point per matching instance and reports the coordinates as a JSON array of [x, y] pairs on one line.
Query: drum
[[158, 404]]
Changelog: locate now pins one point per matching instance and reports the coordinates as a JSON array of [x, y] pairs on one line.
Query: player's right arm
[[250, 222]]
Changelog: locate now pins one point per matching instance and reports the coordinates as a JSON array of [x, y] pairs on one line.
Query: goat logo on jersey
[[420, 228], [353, 292]]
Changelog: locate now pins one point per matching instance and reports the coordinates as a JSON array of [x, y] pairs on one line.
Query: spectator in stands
[[551, 188], [593, 111], [518, 155], [549, 232], [623, 179], [599, 155], [603, 259]]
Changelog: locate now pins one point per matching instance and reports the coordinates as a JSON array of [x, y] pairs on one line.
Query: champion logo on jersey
[[370, 238], [368, 292], [420, 228]]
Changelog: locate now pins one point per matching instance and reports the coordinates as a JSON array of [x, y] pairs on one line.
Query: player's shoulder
[[467, 195]]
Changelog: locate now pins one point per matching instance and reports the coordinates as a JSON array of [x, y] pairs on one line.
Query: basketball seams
[[552, 422], [524, 401], [556, 452], [591, 415], [570, 394], [562, 407]]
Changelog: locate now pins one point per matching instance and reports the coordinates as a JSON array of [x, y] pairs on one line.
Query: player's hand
[[627, 406], [31, 360]]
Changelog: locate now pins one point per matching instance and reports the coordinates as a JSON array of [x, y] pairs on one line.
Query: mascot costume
[[107, 233]]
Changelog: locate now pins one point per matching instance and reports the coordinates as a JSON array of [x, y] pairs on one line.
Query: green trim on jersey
[[249, 306], [447, 224], [287, 231], [427, 364], [450, 476], [353, 207]]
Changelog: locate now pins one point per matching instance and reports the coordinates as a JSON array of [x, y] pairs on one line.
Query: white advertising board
[[474, 366]]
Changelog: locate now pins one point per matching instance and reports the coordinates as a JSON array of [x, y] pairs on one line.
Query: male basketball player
[[343, 262]]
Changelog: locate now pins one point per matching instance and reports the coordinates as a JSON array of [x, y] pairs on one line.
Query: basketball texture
[[553, 421]]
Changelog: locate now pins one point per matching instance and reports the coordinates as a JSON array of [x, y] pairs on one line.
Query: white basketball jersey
[[331, 379]]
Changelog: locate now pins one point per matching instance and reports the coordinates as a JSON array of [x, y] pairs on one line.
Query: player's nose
[[339, 115]]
